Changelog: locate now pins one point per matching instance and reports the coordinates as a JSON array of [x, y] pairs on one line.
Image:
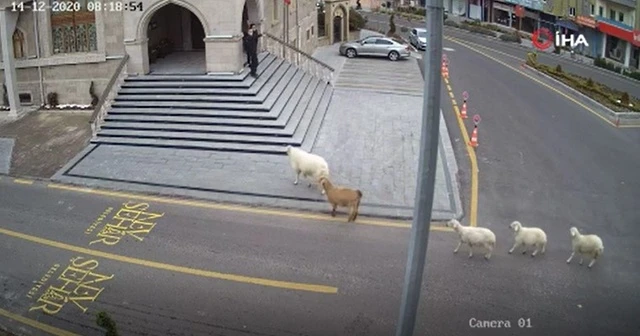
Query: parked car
[[418, 38], [376, 45]]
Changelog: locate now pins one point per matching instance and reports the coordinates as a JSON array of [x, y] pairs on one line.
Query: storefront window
[[615, 49]]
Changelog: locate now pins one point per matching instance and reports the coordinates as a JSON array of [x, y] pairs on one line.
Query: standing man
[[244, 42], [251, 45]]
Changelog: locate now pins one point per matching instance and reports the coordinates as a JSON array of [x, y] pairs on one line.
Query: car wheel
[[351, 53], [394, 55]]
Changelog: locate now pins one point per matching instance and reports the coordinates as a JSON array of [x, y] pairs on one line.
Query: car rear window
[[396, 40]]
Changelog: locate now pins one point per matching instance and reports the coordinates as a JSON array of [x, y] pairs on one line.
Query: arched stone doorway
[[337, 20], [175, 42]]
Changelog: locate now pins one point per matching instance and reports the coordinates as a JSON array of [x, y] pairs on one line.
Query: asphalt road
[[165, 283], [602, 76]]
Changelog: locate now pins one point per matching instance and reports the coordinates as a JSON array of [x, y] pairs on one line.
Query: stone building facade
[[64, 50]]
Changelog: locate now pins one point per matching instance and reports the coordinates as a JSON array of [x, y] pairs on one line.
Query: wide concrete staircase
[[284, 105]]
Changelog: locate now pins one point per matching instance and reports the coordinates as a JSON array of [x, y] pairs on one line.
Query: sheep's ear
[[516, 228]]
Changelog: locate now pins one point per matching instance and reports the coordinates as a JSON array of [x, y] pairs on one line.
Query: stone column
[[8, 22], [223, 54], [603, 53], [138, 51], [186, 30], [627, 54]]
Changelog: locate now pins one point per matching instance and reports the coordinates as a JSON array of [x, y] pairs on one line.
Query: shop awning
[[631, 36], [567, 24]]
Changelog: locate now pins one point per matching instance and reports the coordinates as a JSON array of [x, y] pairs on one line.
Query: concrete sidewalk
[[369, 139]]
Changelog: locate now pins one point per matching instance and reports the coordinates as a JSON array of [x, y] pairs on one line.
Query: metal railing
[[291, 54], [109, 93]]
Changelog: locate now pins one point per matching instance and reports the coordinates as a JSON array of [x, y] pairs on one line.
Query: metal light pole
[[426, 170]]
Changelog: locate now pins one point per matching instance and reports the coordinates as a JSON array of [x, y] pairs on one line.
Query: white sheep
[[528, 236], [311, 166], [590, 245], [474, 236]]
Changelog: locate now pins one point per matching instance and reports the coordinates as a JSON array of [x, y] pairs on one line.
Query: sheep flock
[[315, 168], [526, 237]]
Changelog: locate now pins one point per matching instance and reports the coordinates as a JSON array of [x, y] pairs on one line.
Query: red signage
[[586, 21], [288, 2], [632, 37], [519, 11]]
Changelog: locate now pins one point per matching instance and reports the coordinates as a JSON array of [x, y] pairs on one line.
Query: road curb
[[617, 118]]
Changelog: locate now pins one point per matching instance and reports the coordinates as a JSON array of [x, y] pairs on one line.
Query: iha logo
[[560, 40]]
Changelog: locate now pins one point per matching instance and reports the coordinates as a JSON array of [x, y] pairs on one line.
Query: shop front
[[588, 27], [505, 14], [620, 42]]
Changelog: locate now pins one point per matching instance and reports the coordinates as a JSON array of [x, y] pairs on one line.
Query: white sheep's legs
[[489, 248], [544, 247], [515, 245], [581, 260], [571, 257], [297, 177], [470, 250], [593, 261], [457, 248], [535, 251]]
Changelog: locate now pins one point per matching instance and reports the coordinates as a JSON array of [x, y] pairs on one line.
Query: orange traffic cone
[[445, 69], [474, 137], [463, 112]]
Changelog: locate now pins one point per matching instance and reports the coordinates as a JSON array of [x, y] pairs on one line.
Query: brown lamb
[[342, 196]]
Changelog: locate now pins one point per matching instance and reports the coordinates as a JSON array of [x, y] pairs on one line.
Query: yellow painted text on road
[[78, 283], [35, 324], [473, 211], [238, 208], [173, 268], [43, 281], [131, 220]]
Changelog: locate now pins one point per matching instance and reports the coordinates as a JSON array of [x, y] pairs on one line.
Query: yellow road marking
[[38, 325], [237, 208], [174, 268], [473, 212], [540, 82], [22, 181]]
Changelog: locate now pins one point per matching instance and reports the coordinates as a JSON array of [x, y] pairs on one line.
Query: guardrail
[[110, 91], [293, 55]]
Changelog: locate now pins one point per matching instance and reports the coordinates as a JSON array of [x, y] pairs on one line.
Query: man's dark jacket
[[251, 42]]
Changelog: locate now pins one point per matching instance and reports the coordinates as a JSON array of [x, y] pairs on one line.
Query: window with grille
[[74, 31]]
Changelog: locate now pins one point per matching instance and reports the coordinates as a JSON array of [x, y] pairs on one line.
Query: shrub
[[590, 82], [624, 99], [511, 37], [92, 93], [52, 99], [532, 59], [633, 74], [558, 68], [392, 25], [356, 20], [481, 30], [451, 23], [5, 95], [404, 29]]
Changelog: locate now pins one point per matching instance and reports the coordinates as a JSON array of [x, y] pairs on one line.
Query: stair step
[[246, 128], [201, 121], [144, 114], [179, 97], [281, 89], [262, 57], [208, 137], [157, 81], [266, 77], [300, 122], [312, 130], [200, 145]]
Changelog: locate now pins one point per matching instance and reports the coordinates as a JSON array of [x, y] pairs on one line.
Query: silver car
[[376, 46], [418, 38]]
